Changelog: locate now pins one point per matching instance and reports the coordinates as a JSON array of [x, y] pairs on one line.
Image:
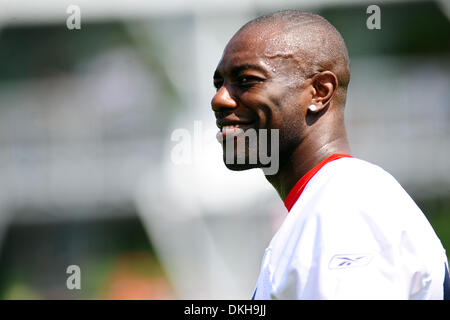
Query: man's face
[[258, 88]]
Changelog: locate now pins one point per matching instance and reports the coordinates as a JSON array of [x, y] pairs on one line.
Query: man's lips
[[232, 121], [233, 130]]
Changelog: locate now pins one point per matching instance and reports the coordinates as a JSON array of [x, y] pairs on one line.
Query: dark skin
[[260, 80]]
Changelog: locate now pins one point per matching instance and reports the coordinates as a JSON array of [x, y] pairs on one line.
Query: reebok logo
[[341, 261]]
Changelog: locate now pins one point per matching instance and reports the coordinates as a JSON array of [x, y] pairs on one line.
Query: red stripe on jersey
[[297, 190]]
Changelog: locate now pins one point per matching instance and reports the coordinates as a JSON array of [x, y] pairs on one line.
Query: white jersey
[[352, 233]]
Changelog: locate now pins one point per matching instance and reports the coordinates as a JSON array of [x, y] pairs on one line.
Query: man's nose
[[223, 99]]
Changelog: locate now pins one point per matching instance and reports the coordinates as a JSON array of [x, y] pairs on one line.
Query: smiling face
[[260, 85]]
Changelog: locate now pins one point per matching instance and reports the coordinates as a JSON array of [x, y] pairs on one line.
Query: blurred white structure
[[210, 225]]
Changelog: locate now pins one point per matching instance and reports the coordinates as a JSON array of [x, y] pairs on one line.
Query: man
[[352, 232]]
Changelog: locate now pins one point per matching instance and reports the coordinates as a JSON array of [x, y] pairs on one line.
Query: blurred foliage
[[438, 213], [411, 28], [50, 49], [111, 253], [30, 52]]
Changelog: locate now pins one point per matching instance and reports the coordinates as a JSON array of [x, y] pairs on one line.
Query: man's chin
[[268, 170], [241, 167]]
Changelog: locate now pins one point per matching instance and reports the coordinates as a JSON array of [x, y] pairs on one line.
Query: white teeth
[[229, 127], [232, 129]]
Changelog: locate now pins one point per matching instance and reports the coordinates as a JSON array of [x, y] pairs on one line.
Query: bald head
[[286, 72], [309, 40]]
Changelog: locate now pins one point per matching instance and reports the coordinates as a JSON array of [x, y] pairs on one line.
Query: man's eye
[[248, 80]]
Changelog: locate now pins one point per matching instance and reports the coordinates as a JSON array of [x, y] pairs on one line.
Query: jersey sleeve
[[344, 261], [358, 245], [354, 234]]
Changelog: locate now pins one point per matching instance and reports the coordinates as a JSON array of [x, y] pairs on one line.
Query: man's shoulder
[[357, 169], [355, 189], [352, 176], [355, 199], [354, 193]]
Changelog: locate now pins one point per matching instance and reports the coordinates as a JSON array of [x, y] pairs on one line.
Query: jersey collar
[[297, 190]]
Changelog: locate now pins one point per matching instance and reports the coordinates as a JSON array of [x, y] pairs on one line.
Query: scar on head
[[300, 68], [283, 55]]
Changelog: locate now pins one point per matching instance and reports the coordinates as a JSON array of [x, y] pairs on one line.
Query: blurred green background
[[85, 123]]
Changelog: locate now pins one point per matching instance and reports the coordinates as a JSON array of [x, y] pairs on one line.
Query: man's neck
[[305, 157]]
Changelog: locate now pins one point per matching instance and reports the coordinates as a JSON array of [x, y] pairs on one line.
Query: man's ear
[[325, 84]]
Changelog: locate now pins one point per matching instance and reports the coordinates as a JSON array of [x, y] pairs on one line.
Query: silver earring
[[312, 108]]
